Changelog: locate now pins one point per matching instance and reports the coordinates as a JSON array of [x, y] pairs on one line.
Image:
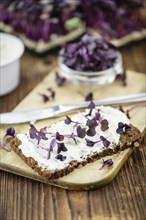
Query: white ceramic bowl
[[11, 49]]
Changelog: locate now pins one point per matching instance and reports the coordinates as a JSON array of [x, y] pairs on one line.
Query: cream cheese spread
[[11, 49], [74, 151]]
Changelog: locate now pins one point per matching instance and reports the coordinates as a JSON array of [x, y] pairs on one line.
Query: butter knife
[[57, 110]]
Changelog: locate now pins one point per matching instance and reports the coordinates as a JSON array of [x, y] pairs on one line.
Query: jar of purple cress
[[90, 61]]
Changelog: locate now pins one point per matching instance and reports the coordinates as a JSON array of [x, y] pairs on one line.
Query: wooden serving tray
[[88, 177], [41, 47], [133, 36]]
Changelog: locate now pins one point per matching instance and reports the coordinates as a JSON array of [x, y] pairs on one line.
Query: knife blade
[[57, 110]]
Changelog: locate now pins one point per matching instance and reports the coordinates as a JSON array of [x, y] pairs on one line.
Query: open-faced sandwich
[[42, 24], [57, 150]]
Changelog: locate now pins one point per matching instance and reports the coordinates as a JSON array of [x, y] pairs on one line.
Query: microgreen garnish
[[97, 116], [91, 132], [91, 143], [121, 108], [92, 123], [92, 127], [122, 128], [89, 97], [61, 147], [45, 97], [127, 114], [52, 145], [60, 157], [59, 80], [73, 136], [104, 125], [127, 111], [59, 137], [123, 78], [91, 106], [41, 135], [105, 142], [108, 162], [52, 92], [69, 121], [11, 133], [81, 132], [35, 134]]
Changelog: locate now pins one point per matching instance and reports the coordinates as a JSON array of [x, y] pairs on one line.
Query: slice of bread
[[129, 139]]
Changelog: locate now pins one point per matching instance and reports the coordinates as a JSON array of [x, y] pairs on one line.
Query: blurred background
[[45, 26]]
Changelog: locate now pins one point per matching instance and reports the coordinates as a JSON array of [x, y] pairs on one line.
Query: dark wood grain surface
[[123, 198]]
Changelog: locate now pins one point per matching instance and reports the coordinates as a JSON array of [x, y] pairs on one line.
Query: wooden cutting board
[[88, 177]]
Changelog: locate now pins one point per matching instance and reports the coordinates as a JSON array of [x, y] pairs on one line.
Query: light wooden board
[[90, 176]]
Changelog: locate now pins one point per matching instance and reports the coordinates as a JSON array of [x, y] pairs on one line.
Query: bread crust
[[130, 139]]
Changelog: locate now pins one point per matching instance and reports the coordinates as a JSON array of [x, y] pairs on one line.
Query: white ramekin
[[10, 66]]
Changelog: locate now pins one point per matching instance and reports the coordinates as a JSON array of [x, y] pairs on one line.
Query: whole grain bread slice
[[129, 139]]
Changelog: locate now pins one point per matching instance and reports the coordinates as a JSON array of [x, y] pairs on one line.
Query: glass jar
[[100, 77]]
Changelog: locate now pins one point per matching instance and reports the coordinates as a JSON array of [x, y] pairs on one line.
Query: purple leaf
[[122, 128], [60, 157], [127, 127], [90, 143], [38, 135], [91, 105], [97, 116], [92, 123], [127, 114], [33, 132], [81, 132], [60, 80], [59, 137], [121, 109], [52, 92], [89, 97], [104, 125], [45, 97], [123, 78], [91, 132], [73, 137], [105, 142], [10, 132], [61, 147], [68, 120], [42, 134], [52, 145], [108, 162]]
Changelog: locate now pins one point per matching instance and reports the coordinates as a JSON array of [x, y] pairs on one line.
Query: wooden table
[[123, 198]]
